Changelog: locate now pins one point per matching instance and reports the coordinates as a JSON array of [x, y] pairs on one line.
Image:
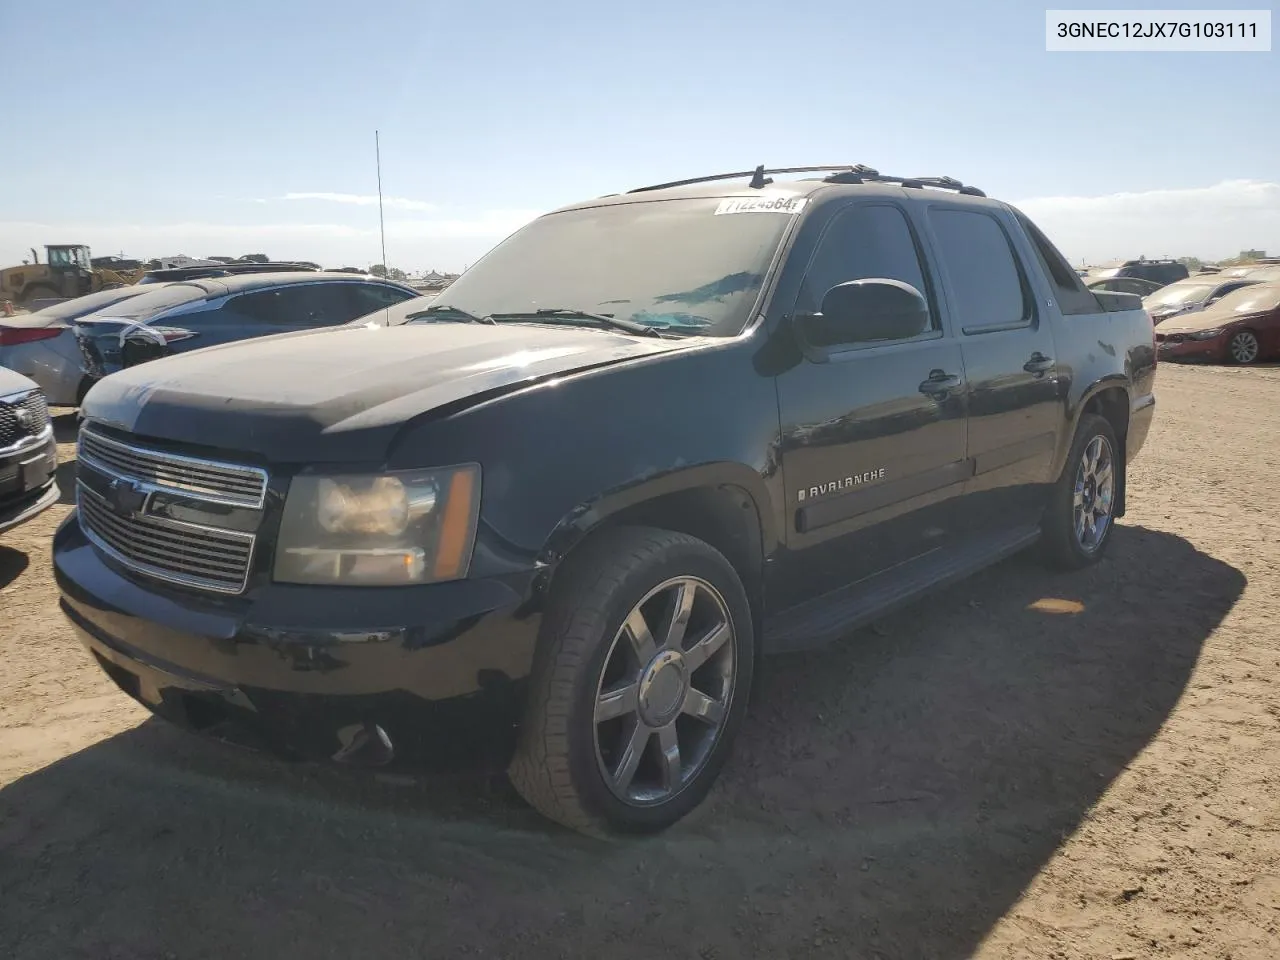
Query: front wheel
[[640, 683], [1243, 347], [1081, 513]]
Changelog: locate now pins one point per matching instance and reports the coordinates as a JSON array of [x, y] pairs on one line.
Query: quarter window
[[984, 275], [864, 241]]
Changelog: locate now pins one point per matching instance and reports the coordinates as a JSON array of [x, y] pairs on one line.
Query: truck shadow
[[891, 797], [12, 565]]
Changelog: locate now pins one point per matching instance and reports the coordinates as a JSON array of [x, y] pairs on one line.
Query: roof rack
[[839, 173]]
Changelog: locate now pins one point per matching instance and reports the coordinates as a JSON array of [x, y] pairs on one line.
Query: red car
[[1242, 327]]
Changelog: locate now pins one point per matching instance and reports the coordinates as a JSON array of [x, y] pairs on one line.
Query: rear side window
[[987, 282], [1073, 296], [303, 305], [861, 242]]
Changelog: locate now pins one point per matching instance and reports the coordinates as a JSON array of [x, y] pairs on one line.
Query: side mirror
[[864, 312]]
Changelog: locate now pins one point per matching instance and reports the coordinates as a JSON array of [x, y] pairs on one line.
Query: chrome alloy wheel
[[1094, 494], [665, 691], [1244, 347]]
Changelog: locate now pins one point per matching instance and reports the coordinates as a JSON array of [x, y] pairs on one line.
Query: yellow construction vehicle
[[67, 272]]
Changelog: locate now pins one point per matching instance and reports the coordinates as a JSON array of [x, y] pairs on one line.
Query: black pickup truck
[[557, 515]]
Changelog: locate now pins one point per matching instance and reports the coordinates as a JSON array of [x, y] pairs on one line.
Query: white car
[[1191, 295], [43, 346], [28, 452]]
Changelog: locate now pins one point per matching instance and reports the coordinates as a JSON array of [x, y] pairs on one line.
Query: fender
[[586, 517], [1076, 411]]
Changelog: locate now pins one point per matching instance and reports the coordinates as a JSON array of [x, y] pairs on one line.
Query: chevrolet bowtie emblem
[[126, 497]]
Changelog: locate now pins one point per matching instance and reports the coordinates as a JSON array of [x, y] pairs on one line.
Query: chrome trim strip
[[178, 460], [28, 442], [150, 487], [25, 393], [197, 583]]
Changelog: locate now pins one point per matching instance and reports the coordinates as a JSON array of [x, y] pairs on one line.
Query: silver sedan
[[42, 345]]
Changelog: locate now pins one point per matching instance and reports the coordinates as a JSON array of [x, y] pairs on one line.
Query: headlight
[[1206, 334], [415, 526]]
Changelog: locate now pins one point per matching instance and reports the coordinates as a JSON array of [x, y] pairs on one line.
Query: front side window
[[985, 279], [677, 265], [862, 242]]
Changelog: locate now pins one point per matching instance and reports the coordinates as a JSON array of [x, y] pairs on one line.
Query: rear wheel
[[1080, 516], [639, 686], [1243, 347]]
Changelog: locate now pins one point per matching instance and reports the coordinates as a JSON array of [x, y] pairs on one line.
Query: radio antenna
[[382, 227]]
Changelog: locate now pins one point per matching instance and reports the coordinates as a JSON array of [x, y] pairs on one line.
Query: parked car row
[[1231, 324], [67, 347], [1241, 327]]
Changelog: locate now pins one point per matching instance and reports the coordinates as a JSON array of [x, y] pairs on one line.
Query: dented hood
[[342, 394]]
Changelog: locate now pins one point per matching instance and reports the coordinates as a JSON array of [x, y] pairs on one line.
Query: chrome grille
[[182, 553], [226, 483], [21, 417]]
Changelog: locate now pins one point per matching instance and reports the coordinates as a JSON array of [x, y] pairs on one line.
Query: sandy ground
[[978, 776]]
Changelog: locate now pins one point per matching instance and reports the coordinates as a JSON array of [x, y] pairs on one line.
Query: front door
[[873, 441], [1015, 411]]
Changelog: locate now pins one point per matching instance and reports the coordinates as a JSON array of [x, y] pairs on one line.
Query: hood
[[1164, 311], [11, 382], [342, 394], [1205, 320]]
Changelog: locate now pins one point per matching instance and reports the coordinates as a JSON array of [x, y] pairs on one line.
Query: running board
[[818, 622]]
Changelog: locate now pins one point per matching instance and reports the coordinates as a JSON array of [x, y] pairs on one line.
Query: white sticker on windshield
[[765, 203]]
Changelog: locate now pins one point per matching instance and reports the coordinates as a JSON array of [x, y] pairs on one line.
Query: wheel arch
[[722, 504], [1110, 399]]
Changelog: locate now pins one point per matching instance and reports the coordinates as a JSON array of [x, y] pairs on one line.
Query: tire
[[39, 292], [1243, 348], [1065, 546], [594, 694]]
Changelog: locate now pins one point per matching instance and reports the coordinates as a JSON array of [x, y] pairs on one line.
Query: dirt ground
[[984, 775]]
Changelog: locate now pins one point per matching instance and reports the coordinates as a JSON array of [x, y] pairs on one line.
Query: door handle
[[940, 383], [1038, 363]]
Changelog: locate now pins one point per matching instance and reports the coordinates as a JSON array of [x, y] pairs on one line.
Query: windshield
[[1104, 273], [665, 264], [1253, 299], [1177, 294]]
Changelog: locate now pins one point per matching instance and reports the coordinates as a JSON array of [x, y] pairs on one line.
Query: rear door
[[873, 441], [1015, 411]]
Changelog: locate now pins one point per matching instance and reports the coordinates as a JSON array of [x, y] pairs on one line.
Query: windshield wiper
[[603, 319], [444, 308]]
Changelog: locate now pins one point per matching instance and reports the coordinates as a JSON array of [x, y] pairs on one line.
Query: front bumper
[[440, 671], [27, 485], [1214, 349]]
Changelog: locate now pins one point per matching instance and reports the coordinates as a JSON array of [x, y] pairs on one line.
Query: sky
[[153, 129]]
